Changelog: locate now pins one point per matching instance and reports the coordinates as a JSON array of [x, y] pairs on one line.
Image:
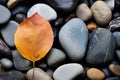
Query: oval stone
[[73, 37], [115, 69], [43, 10], [101, 47], [68, 71]]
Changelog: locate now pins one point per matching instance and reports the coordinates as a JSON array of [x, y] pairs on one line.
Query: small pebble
[[115, 69], [20, 17], [12, 3], [92, 26], [95, 74]]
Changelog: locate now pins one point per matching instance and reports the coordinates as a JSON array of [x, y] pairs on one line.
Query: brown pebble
[[95, 74], [91, 26], [115, 69], [12, 3]]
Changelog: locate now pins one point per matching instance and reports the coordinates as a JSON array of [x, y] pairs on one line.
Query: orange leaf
[[34, 38]]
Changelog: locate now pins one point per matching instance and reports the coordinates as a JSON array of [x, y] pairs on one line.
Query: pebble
[[58, 22], [8, 32], [113, 78], [19, 62], [68, 71], [95, 74], [4, 50], [100, 48], [73, 37], [110, 3], [114, 24], [118, 54], [38, 74], [5, 15], [92, 26], [12, 3], [12, 75], [101, 12], [55, 57], [43, 10], [42, 65], [20, 17], [49, 72], [83, 12], [106, 72], [115, 69], [6, 63], [65, 6], [3, 2], [116, 36]]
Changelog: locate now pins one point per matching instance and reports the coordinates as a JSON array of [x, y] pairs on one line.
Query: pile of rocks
[[86, 40]]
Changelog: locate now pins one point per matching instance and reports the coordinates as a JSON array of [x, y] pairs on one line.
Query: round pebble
[[95, 74], [92, 26], [115, 69]]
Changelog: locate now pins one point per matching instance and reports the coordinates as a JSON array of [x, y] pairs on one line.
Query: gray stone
[[110, 3], [6, 63], [4, 14], [49, 72], [113, 78], [73, 37], [43, 10], [118, 54], [101, 47], [19, 62], [39, 74], [8, 32], [116, 36], [101, 12], [55, 57], [83, 12], [68, 71]]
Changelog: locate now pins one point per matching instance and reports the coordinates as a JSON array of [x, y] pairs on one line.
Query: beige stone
[[115, 69], [12, 3]]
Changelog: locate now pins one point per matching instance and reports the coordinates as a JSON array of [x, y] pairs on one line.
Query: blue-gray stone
[[101, 47], [43, 10], [19, 62], [8, 33], [4, 14], [113, 78], [116, 36], [118, 54], [73, 37], [110, 3]]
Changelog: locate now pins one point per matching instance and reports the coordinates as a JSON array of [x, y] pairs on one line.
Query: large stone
[[8, 32], [101, 47], [73, 37], [68, 71], [101, 12], [43, 10], [38, 75]]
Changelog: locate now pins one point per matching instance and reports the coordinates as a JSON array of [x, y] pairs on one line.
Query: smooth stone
[[42, 66], [101, 47], [83, 12], [49, 72], [118, 54], [20, 17], [95, 74], [68, 71], [6, 63], [106, 72], [43, 10], [8, 32], [92, 26], [73, 37], [5, 14], [65, 6], [4, 50], [101, 12], [116, 36], [110, 3], [12, 75], [114, 24], [55, 57], [3, 2], [12, 3], [38, 74], [115, 69], [19, 62], [113, 78]]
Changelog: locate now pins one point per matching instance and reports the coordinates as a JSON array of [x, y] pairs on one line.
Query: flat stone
[[101, 12], [38, 74], [83, 12], [43, 10], [8, 33], [55, 57], [73, 37], [68, 71], [115, 69], [19, 62], [101, 47], [95, 74], [4, 15]]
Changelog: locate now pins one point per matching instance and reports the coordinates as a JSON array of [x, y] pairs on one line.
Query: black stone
[[118, 54], [43, 66], [113, 78], [106, 72], [3, 2], [59, 22], [20, 17]]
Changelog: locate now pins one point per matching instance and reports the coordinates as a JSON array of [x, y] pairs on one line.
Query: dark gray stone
[[118, 54], [73, 37], [106, 72], [4, 14], [19, 62], [113, 78], [116, 36], [3, 2], [20, 17], [8, 32], [101, 47]]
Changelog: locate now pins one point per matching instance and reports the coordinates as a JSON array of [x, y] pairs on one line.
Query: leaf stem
[[33, 70]]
